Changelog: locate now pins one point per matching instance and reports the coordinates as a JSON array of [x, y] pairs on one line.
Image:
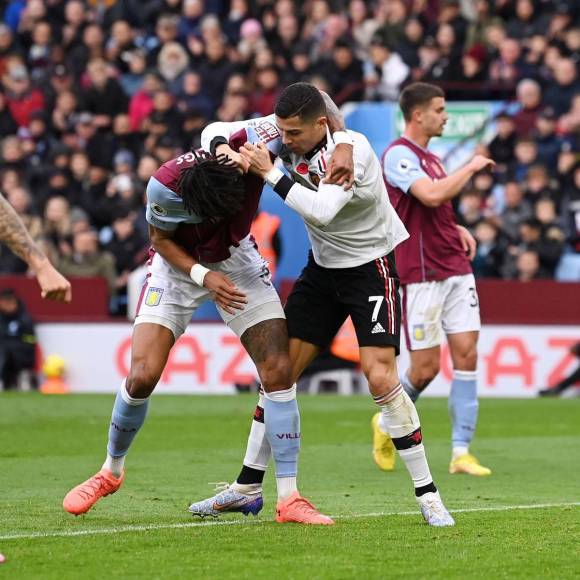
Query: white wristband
[[273, 176], [342, 137], [197, 273]]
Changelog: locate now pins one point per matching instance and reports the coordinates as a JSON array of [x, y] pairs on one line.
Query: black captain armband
[[279, 182]]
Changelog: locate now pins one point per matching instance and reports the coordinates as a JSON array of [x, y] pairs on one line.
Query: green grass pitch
[[48, 444]]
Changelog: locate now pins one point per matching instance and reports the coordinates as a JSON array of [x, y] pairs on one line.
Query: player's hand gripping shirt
[[346, 228], [434, 251]]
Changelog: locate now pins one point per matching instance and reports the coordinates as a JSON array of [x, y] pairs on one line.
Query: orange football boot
[[81, 498], [300, 511]]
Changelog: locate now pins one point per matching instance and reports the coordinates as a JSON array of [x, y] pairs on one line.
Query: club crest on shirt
[[153, 297], [419, 332], [158, 209], [314, 177]]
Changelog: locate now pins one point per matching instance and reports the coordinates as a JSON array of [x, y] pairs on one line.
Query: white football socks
[[401, 420]]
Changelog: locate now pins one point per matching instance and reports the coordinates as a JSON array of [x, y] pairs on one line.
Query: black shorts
[[323, 298]]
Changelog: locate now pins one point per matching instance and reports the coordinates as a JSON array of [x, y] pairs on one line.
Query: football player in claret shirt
[[351, 271], [200, 209], [439, 292]]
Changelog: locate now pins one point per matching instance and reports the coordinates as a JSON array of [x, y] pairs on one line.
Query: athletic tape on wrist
[[197, 273], [273, 176]]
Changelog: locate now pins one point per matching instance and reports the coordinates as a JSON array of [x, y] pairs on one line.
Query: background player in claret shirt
[[438, 286], [350, 272], [200, 209]]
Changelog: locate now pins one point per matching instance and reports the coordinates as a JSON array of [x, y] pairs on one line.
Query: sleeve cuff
[[342, 137], [283, 187], [215, 142]]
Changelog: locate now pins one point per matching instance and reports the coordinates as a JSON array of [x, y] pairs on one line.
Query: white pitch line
[[153, 527]]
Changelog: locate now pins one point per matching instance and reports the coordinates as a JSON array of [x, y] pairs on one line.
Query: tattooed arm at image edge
[[13, 233]]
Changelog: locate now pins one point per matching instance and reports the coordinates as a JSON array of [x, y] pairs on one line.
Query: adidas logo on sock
[[378, 327]]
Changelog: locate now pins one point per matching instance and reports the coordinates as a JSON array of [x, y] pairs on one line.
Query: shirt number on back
[[188, 157], [378, 300]]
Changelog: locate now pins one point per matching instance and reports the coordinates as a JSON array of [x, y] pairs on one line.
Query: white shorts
[[169, 297], [432, 308]]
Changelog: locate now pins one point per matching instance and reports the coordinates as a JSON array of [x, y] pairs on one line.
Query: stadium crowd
[[95, 94]]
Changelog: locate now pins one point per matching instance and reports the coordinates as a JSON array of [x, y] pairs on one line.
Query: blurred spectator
[[477, 30], [87, 260], [526, 154], [508, 67], [120, 43], [105, 95], [446, 67], [345, 73], [141, 103], [565, 87], [215, 70], [21, 96], [490, 250], [193, 96], [549, 143], [17, 340], [529, 95], [470, 208], [538, 184], [384, 72], [266, 92], [501, 147], [172, 63], [362, 26], [472, 76], [516, 211], [528, 266], [525, 22]]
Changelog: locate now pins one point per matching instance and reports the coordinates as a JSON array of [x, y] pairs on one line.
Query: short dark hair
[[212, 188], [300, 100], [418, 95]]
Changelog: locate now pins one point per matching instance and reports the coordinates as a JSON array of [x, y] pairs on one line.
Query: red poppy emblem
[[302, 168]]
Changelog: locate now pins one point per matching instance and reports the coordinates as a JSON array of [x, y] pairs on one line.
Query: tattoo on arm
[[14, 234], [335, 119]]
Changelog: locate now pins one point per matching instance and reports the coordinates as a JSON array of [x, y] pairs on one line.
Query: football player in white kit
[[350, 272]]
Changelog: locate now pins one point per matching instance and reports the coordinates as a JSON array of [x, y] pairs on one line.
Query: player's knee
[[276, 373], [381, 376], [141, 381], [425, 374], [466, 360]]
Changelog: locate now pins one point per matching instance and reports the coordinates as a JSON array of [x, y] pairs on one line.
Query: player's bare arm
[[224, 291], [53, 285], [468, 242], [435, 193]]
